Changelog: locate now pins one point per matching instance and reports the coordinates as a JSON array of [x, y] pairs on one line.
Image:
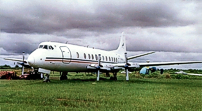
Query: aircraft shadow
[[132, 81]]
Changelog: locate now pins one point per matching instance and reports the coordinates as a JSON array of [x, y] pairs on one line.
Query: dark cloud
[[156, 25], [53, 17]]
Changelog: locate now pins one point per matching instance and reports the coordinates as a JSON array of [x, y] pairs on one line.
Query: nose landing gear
[[46, 79]]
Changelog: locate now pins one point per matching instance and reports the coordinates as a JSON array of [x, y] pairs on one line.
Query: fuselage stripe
[[50, 59]]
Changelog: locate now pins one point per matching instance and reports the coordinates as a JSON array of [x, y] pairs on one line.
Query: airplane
[[192, 74], [181, 72], [54, 56]]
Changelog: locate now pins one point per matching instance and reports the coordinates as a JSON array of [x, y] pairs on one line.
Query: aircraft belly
[[71, 67]]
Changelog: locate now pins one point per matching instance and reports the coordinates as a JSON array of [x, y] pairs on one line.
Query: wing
[[195, 74], [168, 63]]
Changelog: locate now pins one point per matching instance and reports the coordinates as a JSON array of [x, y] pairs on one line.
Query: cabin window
[[92, 56], [103, 58], [77, 54], [88, 56], [84, 56], [41, 46], [50, 47], [112, 59], [116, 60], [109, 59], [96, 57], [106, 58], [45, 47]]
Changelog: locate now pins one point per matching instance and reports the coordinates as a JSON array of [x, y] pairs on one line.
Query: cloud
[[59, 17], [148, 25]]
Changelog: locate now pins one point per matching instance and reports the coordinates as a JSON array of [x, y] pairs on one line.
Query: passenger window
[[92, 56], [77, 54], [106, 58], [103, 58], [88, 56], [41, 46], [45, 47], [109, 59], [96, 57], [84, 56]]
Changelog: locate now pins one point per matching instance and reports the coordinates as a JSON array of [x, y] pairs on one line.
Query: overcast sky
[[171, 26]]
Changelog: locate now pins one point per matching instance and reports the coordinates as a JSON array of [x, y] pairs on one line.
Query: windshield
[[41, 46], [46, 47]]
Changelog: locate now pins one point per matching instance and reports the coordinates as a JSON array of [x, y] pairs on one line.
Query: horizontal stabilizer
[[168, 63], [140, 55], [13, 59]]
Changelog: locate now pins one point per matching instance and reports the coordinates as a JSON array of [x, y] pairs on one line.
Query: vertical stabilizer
[[122, 45]]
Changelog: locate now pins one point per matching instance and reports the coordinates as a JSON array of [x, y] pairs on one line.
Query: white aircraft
[[182, 72], [53, 56]]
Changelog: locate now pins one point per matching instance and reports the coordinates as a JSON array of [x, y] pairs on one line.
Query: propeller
[[23, 58], [126, 67], [98, 67]]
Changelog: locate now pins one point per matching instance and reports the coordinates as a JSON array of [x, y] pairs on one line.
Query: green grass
[[82, 92]]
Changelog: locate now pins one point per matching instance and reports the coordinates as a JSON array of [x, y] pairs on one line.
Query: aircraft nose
[[31, 60]]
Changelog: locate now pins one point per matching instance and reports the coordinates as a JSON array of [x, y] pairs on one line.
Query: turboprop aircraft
[[54, 56]]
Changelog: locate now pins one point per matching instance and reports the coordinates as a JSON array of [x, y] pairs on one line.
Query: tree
[[16, 66], [5, 67]]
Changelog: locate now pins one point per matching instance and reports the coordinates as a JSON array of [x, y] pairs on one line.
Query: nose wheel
[[46, 78]]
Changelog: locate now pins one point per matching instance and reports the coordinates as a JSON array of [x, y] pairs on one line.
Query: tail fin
[[122, 45]]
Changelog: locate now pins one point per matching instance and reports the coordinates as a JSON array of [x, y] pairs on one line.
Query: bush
[[179, 76], [185, 77], [154, 75], [138, 75], [167, 76]]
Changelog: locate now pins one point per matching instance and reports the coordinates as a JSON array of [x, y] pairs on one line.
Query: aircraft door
[[66, 54]]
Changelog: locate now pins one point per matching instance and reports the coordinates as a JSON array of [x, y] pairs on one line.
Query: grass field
[[82, 92]]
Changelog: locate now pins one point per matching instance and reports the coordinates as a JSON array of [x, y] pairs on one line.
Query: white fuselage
[[70, 58]]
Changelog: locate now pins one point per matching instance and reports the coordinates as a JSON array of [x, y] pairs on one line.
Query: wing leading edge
[[168, 63]]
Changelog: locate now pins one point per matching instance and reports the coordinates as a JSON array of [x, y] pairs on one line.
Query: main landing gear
[[63, 76], [115, 76]]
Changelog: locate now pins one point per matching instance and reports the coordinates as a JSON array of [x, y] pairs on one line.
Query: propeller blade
[[127, 76], [98, 75], [98, 68], [126, 67], [23, 58], [22, 69], [126, 59]]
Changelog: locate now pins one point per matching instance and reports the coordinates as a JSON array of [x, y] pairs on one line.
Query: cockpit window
[[41, 46], [50, 47], [45, 47]]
